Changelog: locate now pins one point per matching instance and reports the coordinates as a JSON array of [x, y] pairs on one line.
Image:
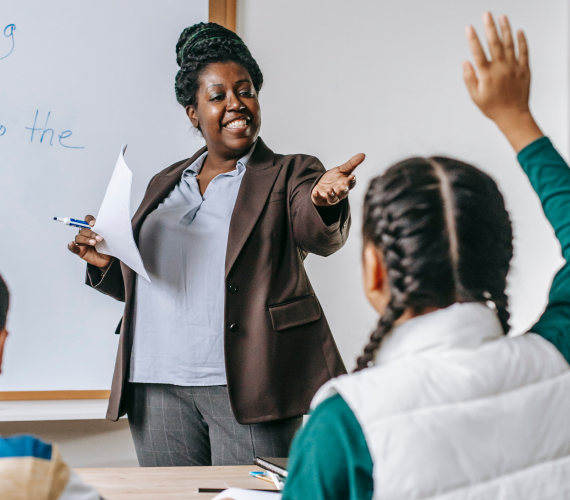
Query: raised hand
[[335, 184], [501, 86], [84, 246]]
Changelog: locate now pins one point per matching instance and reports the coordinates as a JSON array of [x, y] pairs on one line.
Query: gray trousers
[[179, 426]]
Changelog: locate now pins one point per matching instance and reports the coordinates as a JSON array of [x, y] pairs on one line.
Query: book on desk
[[275, 465]]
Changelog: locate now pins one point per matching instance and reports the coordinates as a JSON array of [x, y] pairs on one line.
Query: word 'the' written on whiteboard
[[49, 134]]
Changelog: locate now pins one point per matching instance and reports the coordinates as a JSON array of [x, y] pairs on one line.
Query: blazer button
[[234, 327], [233, 289]]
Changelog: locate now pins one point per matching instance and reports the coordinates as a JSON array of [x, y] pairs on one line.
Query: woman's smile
[[239, 123]]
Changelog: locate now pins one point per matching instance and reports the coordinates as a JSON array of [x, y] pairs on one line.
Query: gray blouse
[[179, 316]]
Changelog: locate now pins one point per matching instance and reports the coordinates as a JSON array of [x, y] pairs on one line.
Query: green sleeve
[[329, 458], [550, 177]]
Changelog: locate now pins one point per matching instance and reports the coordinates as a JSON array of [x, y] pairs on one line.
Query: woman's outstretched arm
[[501, 88]]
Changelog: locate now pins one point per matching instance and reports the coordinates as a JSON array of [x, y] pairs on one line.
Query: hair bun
[[203, 44], [194, 36]]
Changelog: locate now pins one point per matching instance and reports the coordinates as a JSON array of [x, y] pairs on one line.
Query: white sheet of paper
[[239, 494], [114, 220]]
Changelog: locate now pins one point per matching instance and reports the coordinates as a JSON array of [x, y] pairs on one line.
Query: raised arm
[[500, 89]]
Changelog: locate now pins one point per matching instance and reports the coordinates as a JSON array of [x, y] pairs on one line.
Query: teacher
[[220, 355]]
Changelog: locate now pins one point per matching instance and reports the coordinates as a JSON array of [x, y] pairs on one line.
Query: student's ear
[[3, 336], [191, 112], [376, 284]]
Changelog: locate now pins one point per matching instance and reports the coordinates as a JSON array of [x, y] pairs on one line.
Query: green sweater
[[330, 458]]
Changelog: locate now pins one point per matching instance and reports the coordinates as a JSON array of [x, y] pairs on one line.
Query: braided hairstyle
[[203, 44], [445, 235]]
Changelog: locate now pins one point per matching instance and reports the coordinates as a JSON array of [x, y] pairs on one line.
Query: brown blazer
[[278, 346]]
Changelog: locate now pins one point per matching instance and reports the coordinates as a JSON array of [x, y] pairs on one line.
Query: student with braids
[[221, 354], [443, 404]]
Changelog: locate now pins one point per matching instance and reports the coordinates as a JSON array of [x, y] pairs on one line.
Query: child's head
[[4, 304], [435, 232]]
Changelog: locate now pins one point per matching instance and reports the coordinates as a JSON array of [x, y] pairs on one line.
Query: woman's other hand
[[84, 246], [335, 184], [501, 86]]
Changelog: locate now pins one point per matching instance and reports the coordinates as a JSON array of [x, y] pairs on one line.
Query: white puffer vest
[[453, 409]]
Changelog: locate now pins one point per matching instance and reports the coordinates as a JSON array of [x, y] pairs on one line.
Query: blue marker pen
[[73, 222]]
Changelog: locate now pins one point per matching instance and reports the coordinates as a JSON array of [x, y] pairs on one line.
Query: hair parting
[[450, 223]]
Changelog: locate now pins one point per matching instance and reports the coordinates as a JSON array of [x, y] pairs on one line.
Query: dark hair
[[445, 235], [4, 303], [205, 43]]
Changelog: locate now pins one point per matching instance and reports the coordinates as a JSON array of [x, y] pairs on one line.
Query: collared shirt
[[179, 316]]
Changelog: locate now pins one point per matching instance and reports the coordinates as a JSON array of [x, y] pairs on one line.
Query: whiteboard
[[77, 80]]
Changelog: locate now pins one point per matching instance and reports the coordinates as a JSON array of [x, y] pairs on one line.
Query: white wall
[[385, 78]]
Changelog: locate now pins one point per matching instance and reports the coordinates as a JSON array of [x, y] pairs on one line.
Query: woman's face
[[227, 110]]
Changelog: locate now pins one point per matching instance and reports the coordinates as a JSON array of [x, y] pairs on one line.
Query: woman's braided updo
[[205, 43], [445, 235]]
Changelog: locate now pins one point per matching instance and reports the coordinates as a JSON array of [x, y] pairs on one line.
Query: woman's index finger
[[348, 167]]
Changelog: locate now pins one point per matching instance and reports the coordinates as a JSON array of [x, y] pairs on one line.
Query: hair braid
[[397, 304], [445, 236]]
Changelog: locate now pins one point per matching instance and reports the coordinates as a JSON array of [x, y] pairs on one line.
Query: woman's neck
[[221, 163]]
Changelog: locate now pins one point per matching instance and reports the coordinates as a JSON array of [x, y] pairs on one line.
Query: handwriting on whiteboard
[[38, 134], [9, 33], [42, 133]]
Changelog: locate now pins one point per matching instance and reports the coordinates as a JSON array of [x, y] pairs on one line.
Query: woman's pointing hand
[[335, 184]]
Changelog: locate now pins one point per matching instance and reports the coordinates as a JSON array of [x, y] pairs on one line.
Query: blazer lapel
[[158, 191], [258, 180]]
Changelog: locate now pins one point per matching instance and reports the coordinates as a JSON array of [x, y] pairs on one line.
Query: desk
[[169, 483]]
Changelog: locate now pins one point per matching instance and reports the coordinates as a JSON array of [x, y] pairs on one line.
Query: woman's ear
[[191, 113], [376, 284]]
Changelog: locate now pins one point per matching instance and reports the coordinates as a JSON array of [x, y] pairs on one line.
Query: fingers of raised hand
[[507, 35], [496, 46], [523, 49], [476, 48], [470, 78]]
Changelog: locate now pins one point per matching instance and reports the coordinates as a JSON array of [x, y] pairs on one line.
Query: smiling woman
[[222, 353]]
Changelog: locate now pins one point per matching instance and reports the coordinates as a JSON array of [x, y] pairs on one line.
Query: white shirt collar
[[463, 326]]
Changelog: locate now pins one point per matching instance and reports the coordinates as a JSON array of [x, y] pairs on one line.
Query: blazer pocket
[[295, 313], [277, 196]]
